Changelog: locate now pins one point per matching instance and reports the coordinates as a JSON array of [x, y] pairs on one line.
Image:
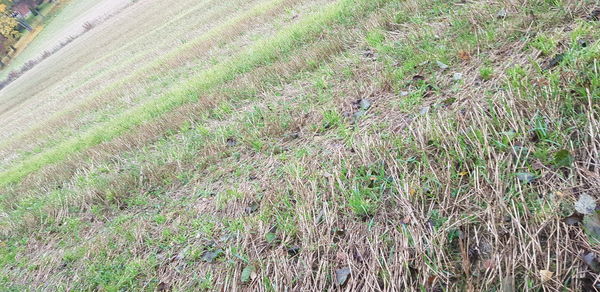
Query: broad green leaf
[[526, 177], [563, 158], [248, 274], [211, 256], [591, 223]]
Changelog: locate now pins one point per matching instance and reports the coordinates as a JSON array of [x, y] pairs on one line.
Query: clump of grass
[[544, 43], [486, 73]]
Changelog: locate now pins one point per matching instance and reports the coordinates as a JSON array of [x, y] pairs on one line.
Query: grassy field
[[309, 145], [54, 31]]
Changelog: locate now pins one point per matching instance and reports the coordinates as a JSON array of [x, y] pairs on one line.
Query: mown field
[[57, 29], [309, 145]]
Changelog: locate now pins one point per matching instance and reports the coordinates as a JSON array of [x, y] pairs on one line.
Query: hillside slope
[[309, 145], [58, 29]]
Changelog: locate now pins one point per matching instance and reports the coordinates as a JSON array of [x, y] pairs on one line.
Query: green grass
[[486, 73]]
